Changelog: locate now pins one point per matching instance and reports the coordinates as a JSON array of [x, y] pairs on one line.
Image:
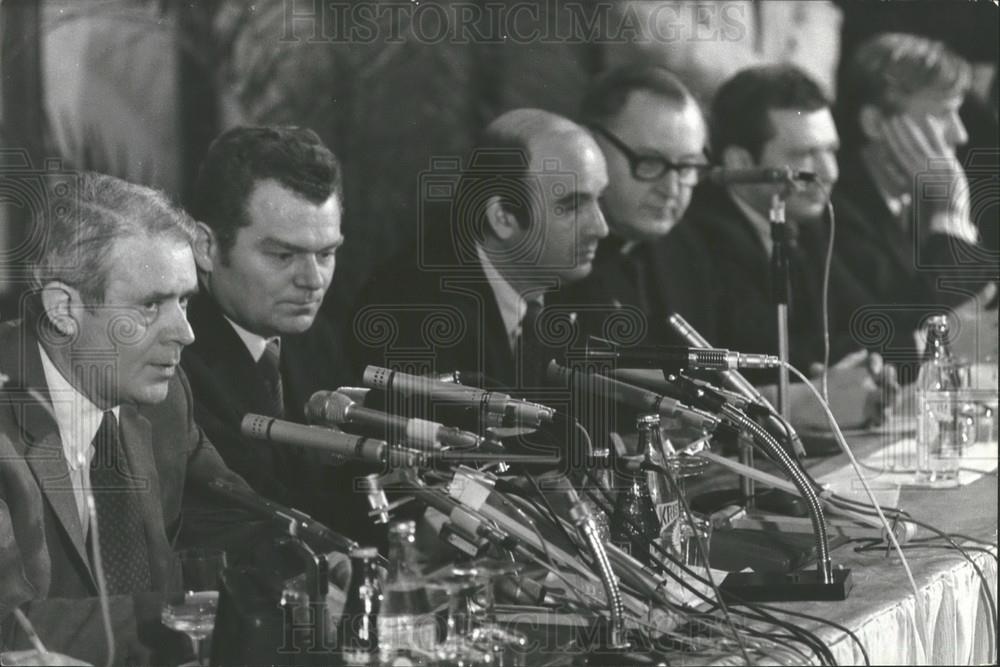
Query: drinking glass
[[198, 571]]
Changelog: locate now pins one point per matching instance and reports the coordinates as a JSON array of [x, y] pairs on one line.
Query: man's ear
[[871, 120], [501, 222], [206, 245], [61, 304], [737, 157]]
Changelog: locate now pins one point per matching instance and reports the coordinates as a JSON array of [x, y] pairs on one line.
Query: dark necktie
[[122, 538], [269, 367]]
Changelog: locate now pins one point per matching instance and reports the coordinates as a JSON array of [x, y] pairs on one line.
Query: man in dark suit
[[522, 221], [268, 203], [775, 116], [906, 207], [95, 405], [653, 136]]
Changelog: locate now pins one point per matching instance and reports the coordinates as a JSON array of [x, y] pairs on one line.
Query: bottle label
[[668, 514]]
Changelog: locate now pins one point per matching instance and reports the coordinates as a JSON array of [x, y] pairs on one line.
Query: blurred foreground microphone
[[677, 356], [631, 396], [338, 445], [333, 407], [499, 409], [296, 522], [758, 175]]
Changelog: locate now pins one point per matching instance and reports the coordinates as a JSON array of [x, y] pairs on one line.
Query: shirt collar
[[76, 415], [255, 344], [512, 305]]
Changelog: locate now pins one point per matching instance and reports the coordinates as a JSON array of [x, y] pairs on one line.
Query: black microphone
[[500, 409], [296, 522], [333, 407], [758, 175], [631, 396], [335, 443], [677, 356]]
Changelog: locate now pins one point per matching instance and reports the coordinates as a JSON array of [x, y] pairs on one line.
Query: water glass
[[198, 572]]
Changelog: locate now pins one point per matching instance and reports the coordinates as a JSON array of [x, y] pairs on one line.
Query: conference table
[[949, 624]]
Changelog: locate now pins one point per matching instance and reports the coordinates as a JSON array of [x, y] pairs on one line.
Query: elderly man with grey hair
[[97, 441]]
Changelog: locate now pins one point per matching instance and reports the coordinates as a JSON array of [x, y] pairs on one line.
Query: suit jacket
[[226, 385], [900, 269], [44, 567], [651, 280], [746, 317]]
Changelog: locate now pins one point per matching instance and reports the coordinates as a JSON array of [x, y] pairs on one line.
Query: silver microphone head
[[328, 407]]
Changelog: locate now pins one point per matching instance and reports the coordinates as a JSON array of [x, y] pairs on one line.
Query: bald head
[[538, 198]]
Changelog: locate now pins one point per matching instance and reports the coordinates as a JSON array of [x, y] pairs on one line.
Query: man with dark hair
[[653, 137], [774, 116], [904, 192], [268, 206], [522, 223], [96, 423]]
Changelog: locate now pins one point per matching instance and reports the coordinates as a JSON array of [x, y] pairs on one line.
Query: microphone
[[333, 407], [678, 356], [338, 445], [297, 522], [498, 408], [735, 381], [631, 396], [758, 175]]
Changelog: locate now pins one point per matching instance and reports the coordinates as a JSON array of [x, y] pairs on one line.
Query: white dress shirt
[[255, 344], [512, 305], [78, 420]]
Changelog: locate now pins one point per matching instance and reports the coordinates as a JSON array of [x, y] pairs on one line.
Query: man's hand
[[915, 146]]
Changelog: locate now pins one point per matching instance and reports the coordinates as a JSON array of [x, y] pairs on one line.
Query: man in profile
[[904, 205], [268, 205], [95, 405], [524, 222]]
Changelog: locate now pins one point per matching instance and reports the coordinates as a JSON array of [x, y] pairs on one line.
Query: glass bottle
[[357, 633], [634, 523], [939, 441], [406, 627], [663, 494]]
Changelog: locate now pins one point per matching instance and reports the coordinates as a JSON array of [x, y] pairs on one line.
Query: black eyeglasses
[[653, 167]]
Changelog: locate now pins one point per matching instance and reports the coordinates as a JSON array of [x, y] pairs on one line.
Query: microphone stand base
[[792, 587]]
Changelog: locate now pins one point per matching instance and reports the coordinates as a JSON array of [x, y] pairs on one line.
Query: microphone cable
[[760, 610], [900, 514], [827, 263], [91, 506], [102, 584]]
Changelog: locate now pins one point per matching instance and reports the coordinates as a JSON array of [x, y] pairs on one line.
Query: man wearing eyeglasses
[[653, 136]]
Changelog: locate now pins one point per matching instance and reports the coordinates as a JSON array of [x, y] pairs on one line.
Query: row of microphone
[[427, 440]]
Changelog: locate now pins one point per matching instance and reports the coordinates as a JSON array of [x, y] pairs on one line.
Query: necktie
[[122, 538], [269, 367]]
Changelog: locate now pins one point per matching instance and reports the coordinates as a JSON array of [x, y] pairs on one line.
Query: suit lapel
[[44, 450]]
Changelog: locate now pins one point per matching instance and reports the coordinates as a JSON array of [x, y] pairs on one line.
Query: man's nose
[[309, 274], [177, 328]]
